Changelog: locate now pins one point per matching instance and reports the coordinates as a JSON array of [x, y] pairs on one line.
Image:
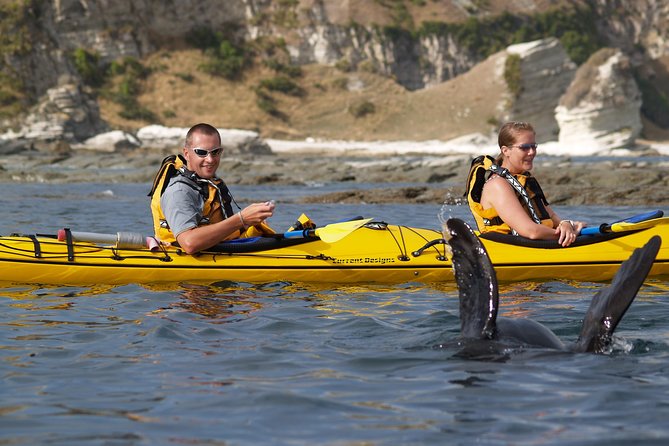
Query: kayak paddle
[[641, 221], [331, 233]]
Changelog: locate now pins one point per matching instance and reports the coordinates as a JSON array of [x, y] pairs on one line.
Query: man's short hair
[[203, 129]]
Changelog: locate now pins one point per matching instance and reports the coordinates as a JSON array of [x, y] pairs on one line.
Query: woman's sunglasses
[[527, 147], [202, 153]]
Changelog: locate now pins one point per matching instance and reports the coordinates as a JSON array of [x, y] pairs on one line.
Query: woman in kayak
[[504, 197]]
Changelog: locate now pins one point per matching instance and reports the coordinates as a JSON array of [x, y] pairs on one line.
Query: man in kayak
[[504, 197], [193, 207]]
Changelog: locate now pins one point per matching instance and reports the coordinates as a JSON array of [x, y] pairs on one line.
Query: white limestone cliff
[[545, 73]]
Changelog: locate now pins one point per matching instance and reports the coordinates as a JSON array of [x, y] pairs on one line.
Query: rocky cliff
[[420, 45]]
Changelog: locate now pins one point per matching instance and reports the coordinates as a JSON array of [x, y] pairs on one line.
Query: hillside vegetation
[[253, 85], [219, 74]]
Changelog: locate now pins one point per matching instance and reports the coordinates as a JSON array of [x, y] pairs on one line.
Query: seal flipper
[[610, 304], [476, 279]]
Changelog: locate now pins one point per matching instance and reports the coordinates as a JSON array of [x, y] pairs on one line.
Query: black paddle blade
[[610, 304], [476, 279]]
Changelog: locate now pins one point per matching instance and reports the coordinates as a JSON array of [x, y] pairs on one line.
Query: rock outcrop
[[415, 62], [600, 110], [545, 72], [65, 113]]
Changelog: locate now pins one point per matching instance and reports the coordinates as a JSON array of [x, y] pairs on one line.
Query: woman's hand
[[567, 231]]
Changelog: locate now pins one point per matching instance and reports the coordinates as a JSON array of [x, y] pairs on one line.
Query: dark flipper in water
[[610, 304], [476, 279], [479, 298]]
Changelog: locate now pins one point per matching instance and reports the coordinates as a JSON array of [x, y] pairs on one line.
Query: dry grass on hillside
[[180, 95]]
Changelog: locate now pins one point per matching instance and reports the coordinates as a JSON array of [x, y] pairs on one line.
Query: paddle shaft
[[640, 221]]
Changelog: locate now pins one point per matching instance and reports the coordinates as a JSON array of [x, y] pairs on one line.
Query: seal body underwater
[[479, 298]]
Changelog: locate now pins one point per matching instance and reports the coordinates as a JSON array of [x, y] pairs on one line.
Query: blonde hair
[[508, 134]]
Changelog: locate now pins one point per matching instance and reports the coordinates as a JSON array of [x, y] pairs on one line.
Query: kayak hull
[[591, 258], [376, 253], [382, 255]]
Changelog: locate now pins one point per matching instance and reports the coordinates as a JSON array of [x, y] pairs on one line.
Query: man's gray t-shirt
[[182, 205]]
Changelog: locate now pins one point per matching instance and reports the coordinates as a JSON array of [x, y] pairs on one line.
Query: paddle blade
[[336, 231], [636, 222], [624, 226], [651, 215]]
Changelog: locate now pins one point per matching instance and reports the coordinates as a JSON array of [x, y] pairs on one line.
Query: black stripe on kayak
[[259, 244], [125, 264]]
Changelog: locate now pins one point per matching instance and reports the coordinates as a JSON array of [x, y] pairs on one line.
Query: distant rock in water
[[601, 108], [109, 142]]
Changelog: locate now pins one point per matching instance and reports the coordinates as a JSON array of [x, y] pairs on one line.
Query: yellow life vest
[[216, 195], [525, 185]]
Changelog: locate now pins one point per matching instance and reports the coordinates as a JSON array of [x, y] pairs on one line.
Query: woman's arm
[[499, 194]]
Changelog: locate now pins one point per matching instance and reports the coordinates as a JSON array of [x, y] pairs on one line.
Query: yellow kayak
[[365, 252], [374, 252]]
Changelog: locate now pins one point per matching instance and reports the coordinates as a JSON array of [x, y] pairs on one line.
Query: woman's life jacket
[[525, 185]]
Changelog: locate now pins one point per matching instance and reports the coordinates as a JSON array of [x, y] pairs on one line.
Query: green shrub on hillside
[[362, 109], [186, 77], [344, 65], [483, 37], [399, 12], [226, 60], [224, 57], [283, 85], [266, 102], [340, 83], [280, 67], [512, 74], [285, 13], [128, 87], [88, 66]]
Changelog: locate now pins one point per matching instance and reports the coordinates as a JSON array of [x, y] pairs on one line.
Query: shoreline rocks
[[410, 178]]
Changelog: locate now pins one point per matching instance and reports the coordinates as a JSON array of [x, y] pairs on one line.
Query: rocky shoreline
[[431, 178]]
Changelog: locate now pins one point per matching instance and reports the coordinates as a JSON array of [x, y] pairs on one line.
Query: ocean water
[[295, 364]]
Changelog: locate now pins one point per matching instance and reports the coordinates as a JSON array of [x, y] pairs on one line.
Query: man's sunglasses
[[527, 147], [202, 153]]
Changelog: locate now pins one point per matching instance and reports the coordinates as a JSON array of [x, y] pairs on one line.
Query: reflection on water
[[216, 302]]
